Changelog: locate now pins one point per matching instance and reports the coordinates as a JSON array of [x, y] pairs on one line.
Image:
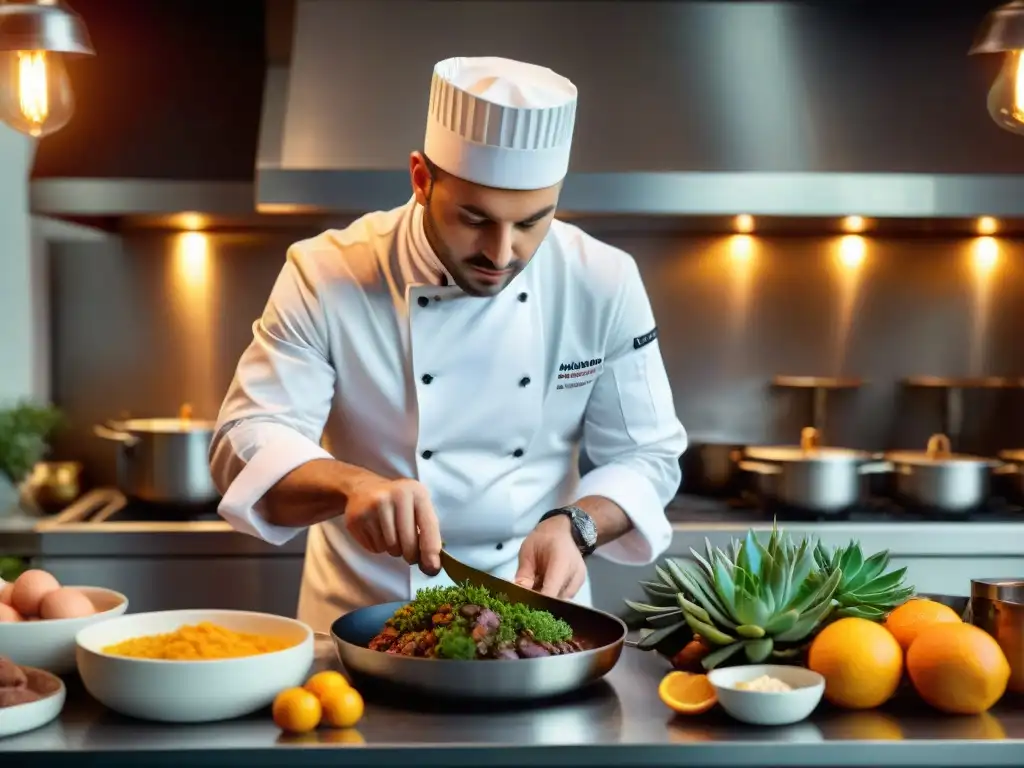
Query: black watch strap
[[584, 530]]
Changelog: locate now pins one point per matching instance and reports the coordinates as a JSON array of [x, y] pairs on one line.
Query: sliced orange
[[324, 683], [686, 693], [296, 710]]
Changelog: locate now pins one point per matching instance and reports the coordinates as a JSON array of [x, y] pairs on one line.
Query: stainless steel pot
[[997, 606], [1013, 471], [941, 480], [711, 468], [823, 480], [163, 461]]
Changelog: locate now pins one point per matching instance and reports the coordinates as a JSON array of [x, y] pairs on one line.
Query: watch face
[[584, 524]]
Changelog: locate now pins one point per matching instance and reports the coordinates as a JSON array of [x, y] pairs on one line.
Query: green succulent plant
[[865, 589], [767, 601]]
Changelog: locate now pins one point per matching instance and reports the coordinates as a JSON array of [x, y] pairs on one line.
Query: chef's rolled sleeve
[[631, 431], [274, 413]]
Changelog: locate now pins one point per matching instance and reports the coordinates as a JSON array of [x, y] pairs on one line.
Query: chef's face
[[482, 235]]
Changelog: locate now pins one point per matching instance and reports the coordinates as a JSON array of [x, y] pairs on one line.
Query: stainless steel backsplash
[[158, 319]]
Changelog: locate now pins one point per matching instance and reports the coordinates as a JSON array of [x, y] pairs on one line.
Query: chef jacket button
[[426, 378], [427, 454], [522, 297], [499, 545], [423, 301], [518, 452], [524, 381]]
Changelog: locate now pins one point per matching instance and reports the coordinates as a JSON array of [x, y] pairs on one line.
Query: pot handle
[[1006, 469], [875, 468], [938, 447], [760, 467], [810, 439], [117, 436]]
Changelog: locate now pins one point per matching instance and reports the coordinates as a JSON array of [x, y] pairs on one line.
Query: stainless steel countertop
[[692, 518], [620, 722]]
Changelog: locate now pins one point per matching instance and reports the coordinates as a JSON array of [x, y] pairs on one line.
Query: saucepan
[[939, 479], [163, 461], [512, 680], [812, 477]]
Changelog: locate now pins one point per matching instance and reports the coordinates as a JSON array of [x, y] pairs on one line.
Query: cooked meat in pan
[[466, 622]]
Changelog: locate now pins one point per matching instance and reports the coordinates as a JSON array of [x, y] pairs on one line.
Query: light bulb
[[35, 92], [1006, 96]]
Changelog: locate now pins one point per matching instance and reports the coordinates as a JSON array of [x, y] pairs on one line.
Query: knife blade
[[461, 573]]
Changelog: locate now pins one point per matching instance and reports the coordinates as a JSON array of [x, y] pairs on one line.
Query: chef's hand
[[397, 517], [550, 562]]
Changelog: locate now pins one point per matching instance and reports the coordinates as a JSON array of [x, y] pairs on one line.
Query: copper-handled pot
[[812, 477], [163, 461], [939, 479]]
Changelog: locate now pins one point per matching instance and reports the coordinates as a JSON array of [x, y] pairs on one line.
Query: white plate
[[35, 714]]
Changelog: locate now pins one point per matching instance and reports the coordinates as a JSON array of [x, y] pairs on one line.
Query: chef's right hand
[[397, 517]]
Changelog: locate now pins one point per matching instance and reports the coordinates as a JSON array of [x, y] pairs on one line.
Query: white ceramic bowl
[[50, 645], [192, 691], [761, 708], [35, 714]]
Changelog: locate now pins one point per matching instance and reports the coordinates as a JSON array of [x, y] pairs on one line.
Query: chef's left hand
[[550, 562]]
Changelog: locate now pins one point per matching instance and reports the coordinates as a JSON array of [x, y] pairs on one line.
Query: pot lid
[[167, 426], [808, 450], [937, 452]]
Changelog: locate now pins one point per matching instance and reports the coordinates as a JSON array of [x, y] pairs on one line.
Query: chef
[[430, 373]]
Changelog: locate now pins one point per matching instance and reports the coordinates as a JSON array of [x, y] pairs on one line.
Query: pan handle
[[760, 467], [126, 439]]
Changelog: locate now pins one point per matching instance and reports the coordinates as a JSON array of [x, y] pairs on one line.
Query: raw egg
[[6, 590], [30, 589], [8, 615], [65, 603]]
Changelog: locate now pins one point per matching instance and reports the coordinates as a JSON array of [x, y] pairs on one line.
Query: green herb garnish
[[454, 641]]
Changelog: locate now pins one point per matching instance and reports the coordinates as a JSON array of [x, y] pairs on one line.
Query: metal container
[[163, 461], [997, 606], [711, 468], [1013, 471], [53, 485], [822, 480], [941, 480]]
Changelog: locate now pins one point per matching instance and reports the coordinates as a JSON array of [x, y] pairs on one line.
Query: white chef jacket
[[367, 352]]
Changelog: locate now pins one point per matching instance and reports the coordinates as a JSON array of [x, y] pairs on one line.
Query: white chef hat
[[500, 123]]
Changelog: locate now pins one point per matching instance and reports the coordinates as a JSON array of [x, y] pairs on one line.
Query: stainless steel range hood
[[686, 108]]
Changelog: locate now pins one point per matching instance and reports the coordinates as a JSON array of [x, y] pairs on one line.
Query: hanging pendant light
[[35, 91], [1002, 32]]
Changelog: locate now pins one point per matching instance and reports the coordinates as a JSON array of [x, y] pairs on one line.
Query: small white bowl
[[762, 708], [192, 691], [27, 717], [49, 644]]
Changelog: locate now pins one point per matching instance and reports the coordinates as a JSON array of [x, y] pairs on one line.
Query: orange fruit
[[958, 668], [861, 661], [296, 710], [686, 693], [343, 707], [323, 683], [907, 621]]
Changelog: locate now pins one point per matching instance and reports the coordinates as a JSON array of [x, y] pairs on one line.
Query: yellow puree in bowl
[[198, 642]]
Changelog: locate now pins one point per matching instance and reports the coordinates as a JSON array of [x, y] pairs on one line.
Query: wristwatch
[[584, 531]]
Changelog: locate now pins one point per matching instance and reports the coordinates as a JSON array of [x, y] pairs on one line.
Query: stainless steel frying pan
[[493, 680]]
